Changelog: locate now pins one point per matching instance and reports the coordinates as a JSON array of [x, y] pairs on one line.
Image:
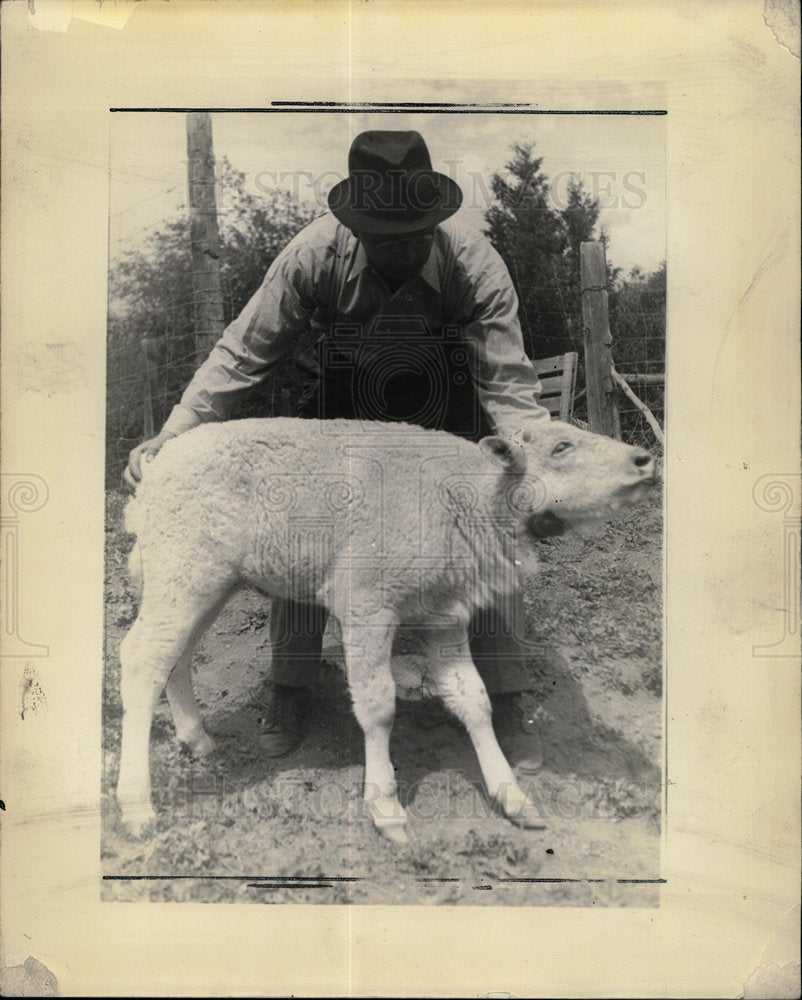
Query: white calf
[[382, 524]]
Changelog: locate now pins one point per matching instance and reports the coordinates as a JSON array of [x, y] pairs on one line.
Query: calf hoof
[[197, 744], [519, 809], [390, 820], [526, 816], [395, 832], [135, 820]]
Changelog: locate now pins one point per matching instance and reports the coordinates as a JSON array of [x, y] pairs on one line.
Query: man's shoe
[[282, 728], [517, 731]]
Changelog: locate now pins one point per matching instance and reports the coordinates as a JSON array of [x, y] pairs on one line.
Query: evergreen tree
[[539, 243]]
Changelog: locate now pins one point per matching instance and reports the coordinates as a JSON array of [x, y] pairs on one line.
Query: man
[[417, 320]]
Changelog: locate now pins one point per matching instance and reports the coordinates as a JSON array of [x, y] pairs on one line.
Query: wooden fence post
[[598, 340], [204, 234]]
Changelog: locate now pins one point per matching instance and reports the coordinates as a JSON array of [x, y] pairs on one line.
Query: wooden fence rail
[[636, 378]]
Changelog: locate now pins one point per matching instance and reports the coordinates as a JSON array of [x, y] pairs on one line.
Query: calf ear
[[509, 456]]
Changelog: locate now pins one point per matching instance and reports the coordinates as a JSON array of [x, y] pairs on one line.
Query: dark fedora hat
[[391, 187]]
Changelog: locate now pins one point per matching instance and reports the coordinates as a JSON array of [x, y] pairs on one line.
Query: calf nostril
[[642, 459]]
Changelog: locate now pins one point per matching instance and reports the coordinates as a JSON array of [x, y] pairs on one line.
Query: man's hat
[[391, 187]]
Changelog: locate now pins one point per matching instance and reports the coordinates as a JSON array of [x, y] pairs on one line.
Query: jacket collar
[[430, 273]]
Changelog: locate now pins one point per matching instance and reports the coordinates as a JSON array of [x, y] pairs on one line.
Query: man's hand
[[147, 450]]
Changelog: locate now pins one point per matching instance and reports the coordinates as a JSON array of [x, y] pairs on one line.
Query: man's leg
[[296, 630], [500, 655], [296, 636]]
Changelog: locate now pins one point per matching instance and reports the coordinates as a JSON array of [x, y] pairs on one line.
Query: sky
[[621, 160]]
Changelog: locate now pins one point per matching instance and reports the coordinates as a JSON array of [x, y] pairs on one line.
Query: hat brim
[[449, 201]]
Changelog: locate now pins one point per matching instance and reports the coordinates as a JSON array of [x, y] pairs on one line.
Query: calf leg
[[459, 685], [367, 645], [189, 728], [158, 641]]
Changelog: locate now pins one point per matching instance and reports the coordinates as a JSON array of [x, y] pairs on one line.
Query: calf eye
[[558, 449]]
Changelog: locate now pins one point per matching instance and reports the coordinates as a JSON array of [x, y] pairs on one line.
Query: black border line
[[314, 881], [396, 109], [401, 104]]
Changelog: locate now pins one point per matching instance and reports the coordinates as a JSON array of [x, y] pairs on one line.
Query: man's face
[[399, 257]]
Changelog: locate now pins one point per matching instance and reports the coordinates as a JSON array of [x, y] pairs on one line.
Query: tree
[[539, 242], [253, 231], [540, 245], [150, 299]]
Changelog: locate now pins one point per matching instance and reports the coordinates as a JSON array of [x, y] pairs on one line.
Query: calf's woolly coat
[[379, 523]]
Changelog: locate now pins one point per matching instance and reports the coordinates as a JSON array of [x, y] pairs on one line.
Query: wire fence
[[147, 376], [152, 357], [638, 325]]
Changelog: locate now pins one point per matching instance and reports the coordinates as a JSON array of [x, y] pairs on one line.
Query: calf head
[[561, 476]]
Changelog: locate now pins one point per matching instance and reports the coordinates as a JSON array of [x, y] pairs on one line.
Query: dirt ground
[[239, 827]]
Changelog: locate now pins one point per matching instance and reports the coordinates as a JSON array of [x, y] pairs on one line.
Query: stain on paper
[[54, 368], [31, 979], [774, 982], [32, 699], [56, 15], [782, 16]]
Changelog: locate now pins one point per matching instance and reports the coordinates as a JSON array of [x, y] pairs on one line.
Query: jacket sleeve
[[505, 380], [256, 340]]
